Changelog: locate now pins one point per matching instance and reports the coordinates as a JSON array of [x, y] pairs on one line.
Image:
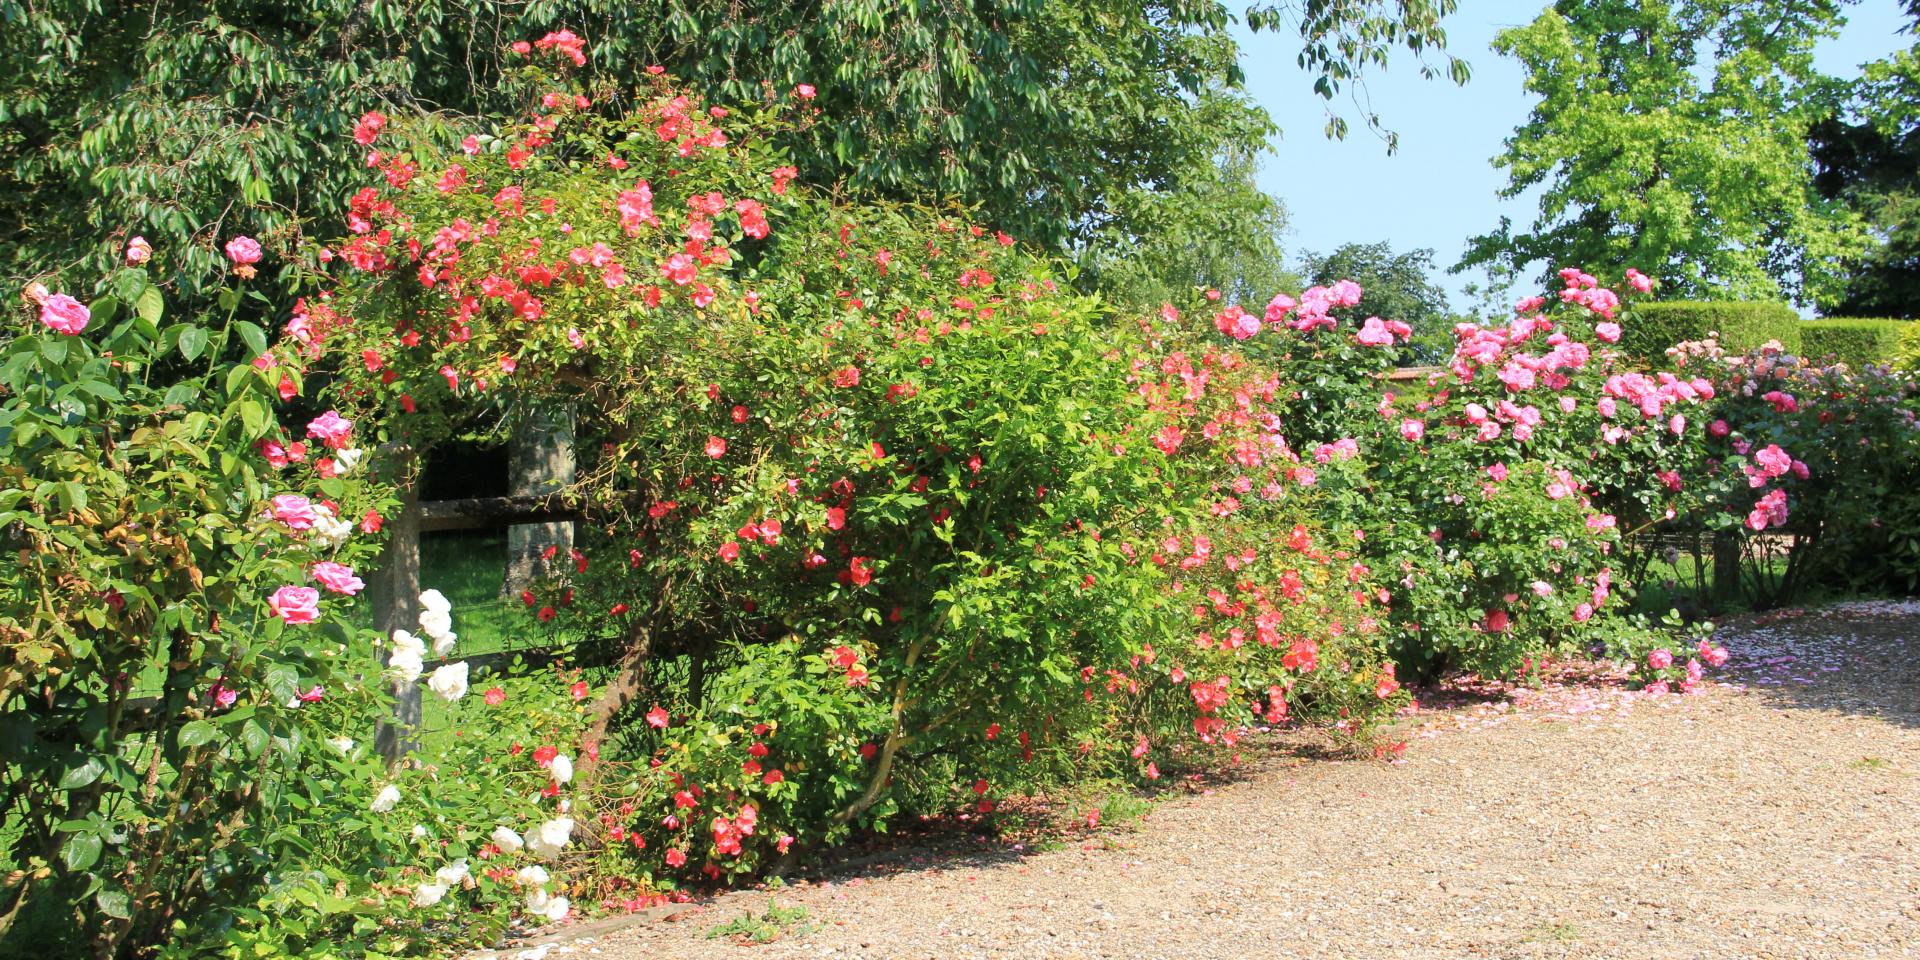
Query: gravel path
[[1776, 815]]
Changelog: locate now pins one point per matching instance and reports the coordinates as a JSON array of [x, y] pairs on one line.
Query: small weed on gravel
[[777, 923]]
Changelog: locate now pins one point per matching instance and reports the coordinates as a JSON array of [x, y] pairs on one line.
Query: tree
[[1398, 287], [1868, 157], [1064, 122], [1672, 137]]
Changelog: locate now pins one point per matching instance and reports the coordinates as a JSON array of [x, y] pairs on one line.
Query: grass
[[776, 923]]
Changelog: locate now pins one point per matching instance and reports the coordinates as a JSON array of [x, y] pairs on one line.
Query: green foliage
[[777, 923], [159, 743], [915, 526], [1855, 341], [1672, 138], [1085, 127], [1868, 154], [1650, 329]]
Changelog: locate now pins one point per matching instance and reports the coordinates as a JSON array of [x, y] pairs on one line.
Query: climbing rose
[[337, 577], [449, 681], [295, 605], [243, 251], [1610, 332], [330, 428], [295, 511], [1413, 429], [64, 314]]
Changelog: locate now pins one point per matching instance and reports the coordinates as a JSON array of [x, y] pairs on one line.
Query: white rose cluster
[[406, 661]]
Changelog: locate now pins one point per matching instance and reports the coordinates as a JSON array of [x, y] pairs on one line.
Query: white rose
[[386, 799], [428, 894], [419, 831], [329, 529], [537, 901], [405, 665], [436, 622], [342, 744], [435, 600], [404, 642], [533, 875], [506, 839], [348, 458], [450, 681], [562, 769], [453, 874], [557, 908], [548, 839], [443, 644]]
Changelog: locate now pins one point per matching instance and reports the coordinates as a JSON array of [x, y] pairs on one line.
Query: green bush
[[1855, 341], [1738, 325]]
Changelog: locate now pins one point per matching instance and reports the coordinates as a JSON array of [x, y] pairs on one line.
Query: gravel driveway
[[1776, 815]]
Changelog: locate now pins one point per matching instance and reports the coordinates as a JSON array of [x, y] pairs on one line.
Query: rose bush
[[884, 518]]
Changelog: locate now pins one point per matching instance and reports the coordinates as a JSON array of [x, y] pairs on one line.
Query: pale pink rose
[[295, 605], [337, 577], [139, 251], [295, 511], [331, 428], [64, 314], [1413, 430], [243, 251]]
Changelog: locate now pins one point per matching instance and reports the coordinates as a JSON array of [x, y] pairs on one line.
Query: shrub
[[884, 519], [1854, 341], [1651, 328], [169, 672]]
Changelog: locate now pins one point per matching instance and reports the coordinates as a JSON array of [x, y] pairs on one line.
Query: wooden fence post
[[395, 592], [539, 463]]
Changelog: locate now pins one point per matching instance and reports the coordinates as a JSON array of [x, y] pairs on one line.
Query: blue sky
[[1439, 189]]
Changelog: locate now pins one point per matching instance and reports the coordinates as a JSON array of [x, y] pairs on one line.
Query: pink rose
[[337, 577], [1413, 430], [243, 251], [1660, 659], [295, 511], [295, 605], [1498, 621], [1608, 331], [716, 447], [139, 251], [64, 314], [331, 428]]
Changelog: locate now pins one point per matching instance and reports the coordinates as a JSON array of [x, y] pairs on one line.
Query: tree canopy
[[1868, 157], [1069, 124], [1672, 137]]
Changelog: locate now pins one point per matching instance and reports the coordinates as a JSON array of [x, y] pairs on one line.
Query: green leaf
[[82, 775], [114, 903], [254, 337], [81, 851], [193, 342], [196, 733], [150, 306]]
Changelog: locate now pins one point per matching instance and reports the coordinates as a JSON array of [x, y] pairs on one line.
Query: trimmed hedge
[[1650, 328], [1855, 341]]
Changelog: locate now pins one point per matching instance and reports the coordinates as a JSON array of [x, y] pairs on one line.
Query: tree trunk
[[395, 593], [539, 462]]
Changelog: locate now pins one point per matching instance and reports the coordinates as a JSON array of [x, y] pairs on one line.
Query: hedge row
[[1857, 341], [1739, 325]]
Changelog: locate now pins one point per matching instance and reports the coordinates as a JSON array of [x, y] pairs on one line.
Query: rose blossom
[[64, 314], [295, 605]]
